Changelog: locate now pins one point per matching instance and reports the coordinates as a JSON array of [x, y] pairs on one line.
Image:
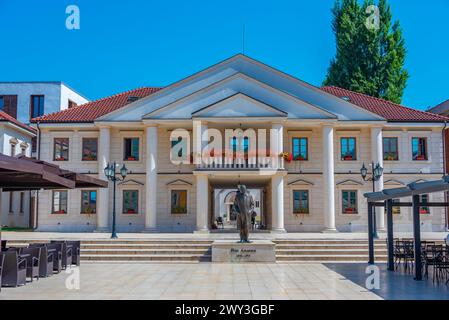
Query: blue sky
[[127, 44]]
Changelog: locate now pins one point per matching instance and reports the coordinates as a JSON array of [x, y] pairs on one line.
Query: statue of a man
[[243, 206]]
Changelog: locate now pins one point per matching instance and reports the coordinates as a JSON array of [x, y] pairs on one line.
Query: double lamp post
[[376, 173], [112, 175]]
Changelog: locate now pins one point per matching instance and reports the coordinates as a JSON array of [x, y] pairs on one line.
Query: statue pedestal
[[232, 251]]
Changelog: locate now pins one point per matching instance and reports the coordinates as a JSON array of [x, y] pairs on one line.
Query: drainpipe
[[443, 134], [38, 145]]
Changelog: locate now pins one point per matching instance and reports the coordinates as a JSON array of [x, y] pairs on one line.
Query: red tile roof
[[4, 117], [90, 111], [386, 109]]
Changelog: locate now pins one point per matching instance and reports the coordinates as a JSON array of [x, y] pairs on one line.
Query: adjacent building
[[15, 139], [27, 100], [297, 147]]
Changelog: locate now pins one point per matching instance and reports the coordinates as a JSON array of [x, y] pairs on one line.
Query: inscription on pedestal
[[231, 251]]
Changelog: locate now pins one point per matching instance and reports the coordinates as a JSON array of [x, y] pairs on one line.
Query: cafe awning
[[23, 173]]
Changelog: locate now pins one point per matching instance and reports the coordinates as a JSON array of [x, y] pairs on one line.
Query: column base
[[150, 230], [278, 230], [202, 231], [329, 230], [102, 230]]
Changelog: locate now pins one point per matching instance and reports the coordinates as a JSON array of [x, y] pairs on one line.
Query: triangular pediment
[[225, 79], [179, 182], [349, 182], [393, 182], [130, 182], [300, 182], [239, 105]]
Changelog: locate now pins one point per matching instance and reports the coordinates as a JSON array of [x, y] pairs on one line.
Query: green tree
[[369, 58]]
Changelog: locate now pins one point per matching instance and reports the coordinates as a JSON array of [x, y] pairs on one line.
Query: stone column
[[277, 199], [276, 143], [377, 156], [104, 142], [202, 203], [328, 179], [151, 179]]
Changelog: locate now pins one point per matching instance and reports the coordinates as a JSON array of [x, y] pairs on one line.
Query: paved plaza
[[194, 281]]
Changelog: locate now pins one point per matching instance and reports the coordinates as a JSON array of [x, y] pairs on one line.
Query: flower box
[[60, 159], [301, 211], [423, 211], [350, 210], [131, 159], [420, 158], [130, 211], [346, 158], [59, 212]]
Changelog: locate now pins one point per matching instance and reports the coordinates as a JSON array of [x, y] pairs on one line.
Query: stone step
[[326, 241], [145, 257], [328, 258], [146, 246], [301, 252], [142, 251], [327, 246], [147, 242]]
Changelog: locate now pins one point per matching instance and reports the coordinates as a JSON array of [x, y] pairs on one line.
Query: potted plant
[[286, 156]]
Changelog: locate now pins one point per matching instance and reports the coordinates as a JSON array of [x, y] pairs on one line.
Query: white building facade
[[27, 100], [300, 147], [15, 140]]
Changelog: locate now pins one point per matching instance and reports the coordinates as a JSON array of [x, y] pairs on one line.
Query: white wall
[[56, 96]]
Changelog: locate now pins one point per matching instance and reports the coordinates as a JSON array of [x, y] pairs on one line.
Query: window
[[178, 201], [349, 201], [11, 202], [71, 104], [88, 201], [8, 104], [348, 149], [130, 201], [37, 106], [131, 149], [390, 146], [300, 201], [22, 202], [61, 149], [243, 147], [13, 149], [424, 198], [59, 202], [299, 148], [419, 148], [396, 210], [90, 146]]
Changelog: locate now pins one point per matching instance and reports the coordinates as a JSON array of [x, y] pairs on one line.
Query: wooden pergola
[[385, 198]]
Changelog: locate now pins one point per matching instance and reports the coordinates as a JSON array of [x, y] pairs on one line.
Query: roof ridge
[[388, 101], [94, 101]]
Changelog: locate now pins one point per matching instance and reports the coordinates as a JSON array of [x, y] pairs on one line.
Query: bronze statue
[[243, 207]]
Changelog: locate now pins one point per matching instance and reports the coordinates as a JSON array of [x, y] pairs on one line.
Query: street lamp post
[[376, 173], [111, 174]]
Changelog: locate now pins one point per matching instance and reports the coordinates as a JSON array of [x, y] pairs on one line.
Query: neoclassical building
[[298, 148]]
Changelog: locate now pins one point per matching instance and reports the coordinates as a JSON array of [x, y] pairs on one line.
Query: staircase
[[193, 251], [146, 250], [326, 251]]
